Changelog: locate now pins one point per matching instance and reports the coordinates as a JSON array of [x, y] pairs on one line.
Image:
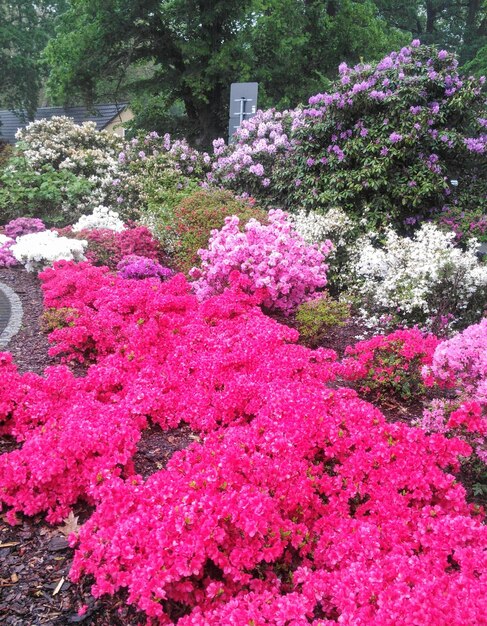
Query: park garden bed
[[223, 412]]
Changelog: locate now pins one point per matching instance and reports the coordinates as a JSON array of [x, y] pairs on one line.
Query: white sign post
[[243, 105]]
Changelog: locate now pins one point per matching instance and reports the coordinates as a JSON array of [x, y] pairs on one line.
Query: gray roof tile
[[103, 115]]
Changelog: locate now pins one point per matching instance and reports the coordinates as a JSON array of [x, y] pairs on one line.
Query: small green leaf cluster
[[315, 318]]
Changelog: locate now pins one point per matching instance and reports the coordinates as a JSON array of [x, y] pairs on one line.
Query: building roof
[[103, 114]]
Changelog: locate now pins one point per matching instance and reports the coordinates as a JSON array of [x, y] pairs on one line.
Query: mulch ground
[[29, 347], [35, 558]]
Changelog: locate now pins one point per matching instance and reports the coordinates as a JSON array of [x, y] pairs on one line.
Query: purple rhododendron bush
[[298, 505], [388, 144]]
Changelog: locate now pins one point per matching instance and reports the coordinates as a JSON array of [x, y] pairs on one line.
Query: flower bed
[[298, 502], [301, 504]]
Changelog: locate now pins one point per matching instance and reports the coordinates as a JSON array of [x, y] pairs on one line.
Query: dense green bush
[[5, 153], [46, 193], [197, 215], [315, 318]]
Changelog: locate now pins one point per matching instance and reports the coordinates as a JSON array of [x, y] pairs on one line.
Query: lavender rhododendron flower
[[23, 226], [139, 267]]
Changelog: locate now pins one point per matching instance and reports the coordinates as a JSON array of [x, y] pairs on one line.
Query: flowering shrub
[[316, 228], [66, 145], [157, 174], [185, 159], [90, 155], [108, 247], [40, 249], [140, 267], [424, 280], [340, 229], [460, 364], [101, 218], [63, 456], [160, 186], [7, 259], [390, 364], [57, 196], [248, 164], [385, 145], [301, 502], [267, 507], [465, 224], [273, 256], [193, 219], [23, 226]]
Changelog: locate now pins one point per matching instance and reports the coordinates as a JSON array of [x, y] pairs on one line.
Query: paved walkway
[[10, 314]]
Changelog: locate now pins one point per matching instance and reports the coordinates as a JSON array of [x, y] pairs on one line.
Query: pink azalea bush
[[273, 256], [300, 502], [299, 505], [460, 364], [390, 364]]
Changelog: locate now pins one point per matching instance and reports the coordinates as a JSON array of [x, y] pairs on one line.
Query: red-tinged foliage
[[108, 247]]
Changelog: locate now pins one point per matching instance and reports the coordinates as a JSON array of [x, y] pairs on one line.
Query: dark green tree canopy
[[25, 28], [189, 51], [458, 25]]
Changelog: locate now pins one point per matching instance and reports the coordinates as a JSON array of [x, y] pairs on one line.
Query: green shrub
[[315, 318], [197, 215], [160, 187], [48, 194], [6, 151]]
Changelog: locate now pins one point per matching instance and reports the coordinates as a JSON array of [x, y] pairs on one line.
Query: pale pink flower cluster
[[461, 365], [462, 361], [272, 256]]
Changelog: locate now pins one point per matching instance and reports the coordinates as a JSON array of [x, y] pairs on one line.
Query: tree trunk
[[431, 15], [206, 118]]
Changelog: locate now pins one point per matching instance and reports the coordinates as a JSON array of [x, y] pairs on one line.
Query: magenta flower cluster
[[137, 267], [272, 256], [301, 505], [23, 226], [389, 365]]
